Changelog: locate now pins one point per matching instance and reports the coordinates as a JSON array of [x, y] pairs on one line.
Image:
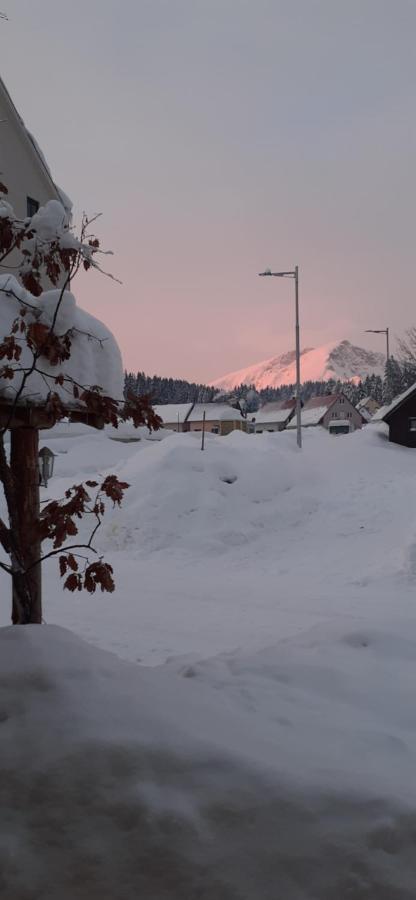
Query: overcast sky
[[219, 137]]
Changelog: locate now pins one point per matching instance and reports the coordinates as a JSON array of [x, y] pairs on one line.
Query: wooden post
[[203, 432], [27, 589]]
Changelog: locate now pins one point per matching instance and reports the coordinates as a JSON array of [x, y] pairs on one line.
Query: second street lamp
[[294, 273], [381, 331]]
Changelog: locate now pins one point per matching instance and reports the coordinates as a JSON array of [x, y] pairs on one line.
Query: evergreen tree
[[393, 380]]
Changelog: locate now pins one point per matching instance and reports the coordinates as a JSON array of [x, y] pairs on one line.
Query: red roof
[[326, 400], [277, 405]]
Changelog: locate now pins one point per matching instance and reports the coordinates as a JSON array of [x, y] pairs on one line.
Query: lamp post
[[295, 275], [381, 331]]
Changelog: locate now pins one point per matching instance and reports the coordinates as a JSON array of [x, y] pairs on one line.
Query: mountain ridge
[[339, 360]]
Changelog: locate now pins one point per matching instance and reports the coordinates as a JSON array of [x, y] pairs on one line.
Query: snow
[[338, 359], [214, 412], [363, 403], [49, 221], [252, 734], [310, 416], [95, 357], [229, 780], [37, 148], [65, 200], [385, 411], [343, 422], [169, 412], [380, 413], [263, 416]]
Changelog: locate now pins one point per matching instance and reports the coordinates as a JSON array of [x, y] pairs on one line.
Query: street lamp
[[295, 275], [380, 331]]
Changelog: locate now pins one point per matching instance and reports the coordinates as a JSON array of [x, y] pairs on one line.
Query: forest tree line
[[399, 374]]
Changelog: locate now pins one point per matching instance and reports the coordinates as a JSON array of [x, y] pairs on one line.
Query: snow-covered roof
[[380, 413], [363, 402], [335, 422], [34, 145], [95, 357], [313, 416], [214, 412], [169, 412], [271, 415], [365, 413], [387, 410]]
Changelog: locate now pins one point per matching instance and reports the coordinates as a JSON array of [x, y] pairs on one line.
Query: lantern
[[46, 461]]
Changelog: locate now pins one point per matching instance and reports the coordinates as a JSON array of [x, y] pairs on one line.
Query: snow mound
[[122, 782], [206, 503]]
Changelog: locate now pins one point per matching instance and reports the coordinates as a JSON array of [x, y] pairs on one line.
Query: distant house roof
[[315, 408], [379, 415], [325, 401], [311, 415], [214, 412], [363, 402], [274, 412], [169, 412], [364, 413], [386, 411]]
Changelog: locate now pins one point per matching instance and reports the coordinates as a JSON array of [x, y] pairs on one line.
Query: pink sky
[[221, 137]]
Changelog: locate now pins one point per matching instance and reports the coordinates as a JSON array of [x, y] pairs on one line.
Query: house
[[335, 412], [23, 168], [220, 418], [367, 406], [366, 416], [400, 416], [174, 415], [274, 416]]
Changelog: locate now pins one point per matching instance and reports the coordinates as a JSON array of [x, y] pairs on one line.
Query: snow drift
[[121, 782]]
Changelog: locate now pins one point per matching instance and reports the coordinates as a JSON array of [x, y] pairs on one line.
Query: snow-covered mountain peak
[[339, 359]]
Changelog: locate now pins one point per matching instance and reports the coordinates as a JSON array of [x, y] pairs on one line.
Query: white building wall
[[21, 169], [343, 409]]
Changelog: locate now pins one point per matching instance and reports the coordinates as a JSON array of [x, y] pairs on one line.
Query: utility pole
[[298, 405]]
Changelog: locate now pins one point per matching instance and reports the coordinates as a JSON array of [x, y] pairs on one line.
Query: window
[[32, 206], [412, 424], [342, 400], [339, 429], [334, 415], [348, 415], [215, 429]]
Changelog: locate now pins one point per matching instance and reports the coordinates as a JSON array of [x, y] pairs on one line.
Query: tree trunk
[[27, 588]]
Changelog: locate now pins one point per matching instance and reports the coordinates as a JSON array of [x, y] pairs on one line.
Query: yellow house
[[220, 418]]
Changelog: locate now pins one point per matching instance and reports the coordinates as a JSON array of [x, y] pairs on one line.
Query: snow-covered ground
[[265, 746]]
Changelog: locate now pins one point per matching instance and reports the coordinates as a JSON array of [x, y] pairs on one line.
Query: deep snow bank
[[119, 782]]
